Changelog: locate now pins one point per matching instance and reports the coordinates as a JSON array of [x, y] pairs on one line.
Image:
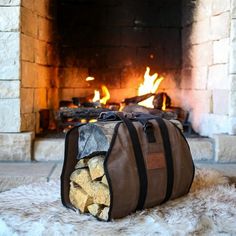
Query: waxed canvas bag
[[147, 160]]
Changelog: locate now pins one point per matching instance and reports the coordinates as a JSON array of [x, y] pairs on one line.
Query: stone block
[[198, 55], [27, 48], [210, 124], [233, 8], [118, 95], [49, 149], [220, 26], [221, 102], [132, 77], [28, 4], [28, 74], [9, 89], [134, 37], [201, 148], [27, 100], [41, 52], [232, 125], [40, 99], [9, 18], [106, 76], [28, 22], [221, 51], [200, 32], [9, 55], [219, 6], [232, 58], [44, 75], [194, 78], [10, 2], [120, 57], [15, 147], [10, 115], [232, 81], [45, 29], [28, 122], [188, 8], [170, 81], [232, 102], [74, 77], [68, 93], [225, 148], [107, 36], [218, 77], [203, 9]]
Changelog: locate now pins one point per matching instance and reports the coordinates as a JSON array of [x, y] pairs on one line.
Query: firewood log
[[104, 214], [104, 180], [82, 163], [94, 209], [101, 194], [137, 99], [98, 191], [79, 198], [95, 165]]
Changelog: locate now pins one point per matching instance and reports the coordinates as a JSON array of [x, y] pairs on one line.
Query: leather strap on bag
[[168, 157], [139, 160]]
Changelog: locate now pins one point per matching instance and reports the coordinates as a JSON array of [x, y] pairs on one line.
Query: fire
[[105, 93], [96, 97], [163, 108], [90, 78], [149, 85]]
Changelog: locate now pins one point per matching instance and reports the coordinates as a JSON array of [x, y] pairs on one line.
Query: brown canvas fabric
[[121, 167]]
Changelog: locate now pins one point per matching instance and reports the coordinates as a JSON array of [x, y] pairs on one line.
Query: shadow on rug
[[209, 209]]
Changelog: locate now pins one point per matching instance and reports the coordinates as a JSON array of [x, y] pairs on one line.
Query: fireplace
[[49, 48]]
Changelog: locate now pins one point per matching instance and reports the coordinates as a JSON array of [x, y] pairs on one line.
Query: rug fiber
[[209, 209]]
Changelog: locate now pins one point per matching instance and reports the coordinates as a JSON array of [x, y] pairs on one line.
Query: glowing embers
[[149, 86]]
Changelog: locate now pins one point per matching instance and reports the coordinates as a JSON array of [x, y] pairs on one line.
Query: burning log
[[159, 99], [87, 192], [137, 99]]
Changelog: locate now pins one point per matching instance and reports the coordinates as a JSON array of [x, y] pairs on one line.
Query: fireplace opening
[[113, 42]]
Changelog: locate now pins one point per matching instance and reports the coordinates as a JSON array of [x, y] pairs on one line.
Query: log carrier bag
[[147, 160]]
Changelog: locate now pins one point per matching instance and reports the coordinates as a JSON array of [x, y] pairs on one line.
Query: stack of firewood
[[89, 190]]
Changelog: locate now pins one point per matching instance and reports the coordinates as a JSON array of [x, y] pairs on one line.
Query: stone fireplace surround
[[203, 80]]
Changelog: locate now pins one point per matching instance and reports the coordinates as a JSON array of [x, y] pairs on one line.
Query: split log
[[82, 163], [95, 209], [96, 169], [87, 193], [104, 180], [79, 198], [137, 99], [104, 214]]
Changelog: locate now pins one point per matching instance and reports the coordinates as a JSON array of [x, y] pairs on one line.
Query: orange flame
[[163, 108], [105, 93], [149, 85]]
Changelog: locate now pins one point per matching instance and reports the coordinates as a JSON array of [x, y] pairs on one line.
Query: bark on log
[[95, 138], [137, 99], [158, 100]]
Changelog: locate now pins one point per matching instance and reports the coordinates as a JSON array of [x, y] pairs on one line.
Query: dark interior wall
[[114, 40]]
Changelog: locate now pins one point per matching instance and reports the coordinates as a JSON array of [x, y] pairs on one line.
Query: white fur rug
[[209, 209]]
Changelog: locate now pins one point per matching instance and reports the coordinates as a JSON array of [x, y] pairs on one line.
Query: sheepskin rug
[[209, 209]]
